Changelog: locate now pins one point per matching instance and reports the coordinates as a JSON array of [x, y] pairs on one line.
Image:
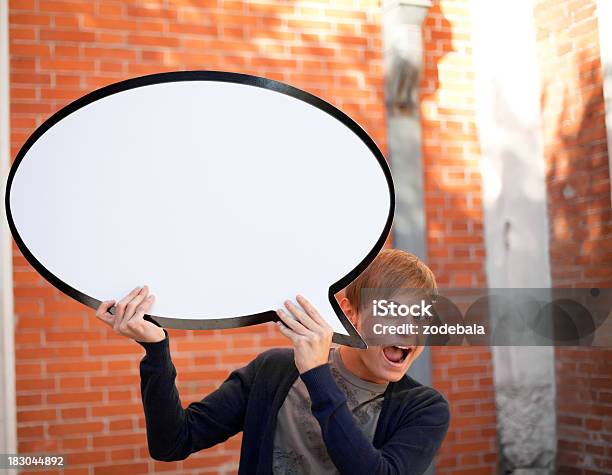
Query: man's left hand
[[310, 334]]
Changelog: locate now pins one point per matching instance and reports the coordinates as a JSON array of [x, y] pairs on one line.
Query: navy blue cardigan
[[412, 423]]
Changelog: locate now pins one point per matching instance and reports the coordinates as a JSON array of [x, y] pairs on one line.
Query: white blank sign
[[225, 193]]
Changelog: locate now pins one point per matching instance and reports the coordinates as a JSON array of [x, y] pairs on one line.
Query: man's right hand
[[128, 319]]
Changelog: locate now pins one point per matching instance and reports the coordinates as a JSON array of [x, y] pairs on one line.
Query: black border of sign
[[353, 339]]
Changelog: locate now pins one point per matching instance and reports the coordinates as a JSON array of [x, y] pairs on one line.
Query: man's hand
[[310, 333], [128, 319]]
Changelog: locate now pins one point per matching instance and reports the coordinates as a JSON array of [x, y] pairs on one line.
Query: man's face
[[384, 363]]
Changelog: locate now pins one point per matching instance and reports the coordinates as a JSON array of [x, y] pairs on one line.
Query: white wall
[[604, 18], [7, 347], [516, 223]]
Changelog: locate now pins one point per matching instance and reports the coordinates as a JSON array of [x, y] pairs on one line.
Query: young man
[[312, 409]]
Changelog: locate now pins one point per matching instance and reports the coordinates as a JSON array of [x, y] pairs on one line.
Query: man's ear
[[349, 311]]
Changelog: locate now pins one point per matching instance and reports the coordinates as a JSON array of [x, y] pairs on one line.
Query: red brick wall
[[454, 222], [77, 382], [576, 152]]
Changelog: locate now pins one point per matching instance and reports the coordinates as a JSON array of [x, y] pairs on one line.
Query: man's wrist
[[159, 351], [311, 366], [162, 335]]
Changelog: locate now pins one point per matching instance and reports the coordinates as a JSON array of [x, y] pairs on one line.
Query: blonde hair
[[391, 269]]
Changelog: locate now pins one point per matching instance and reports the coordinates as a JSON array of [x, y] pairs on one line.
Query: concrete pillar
[[516, 222], [403, 53]]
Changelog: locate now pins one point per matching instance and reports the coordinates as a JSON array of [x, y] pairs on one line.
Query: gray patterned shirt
[[298, 444]]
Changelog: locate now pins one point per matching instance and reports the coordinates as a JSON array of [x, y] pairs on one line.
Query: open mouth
[[396, 355]]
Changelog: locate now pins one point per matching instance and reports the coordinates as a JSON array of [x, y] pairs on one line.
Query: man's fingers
[[103, 314], [296, 326], [133, 304], [130, 309], [311, 310], [103, 307], [138, 316], [120, 307], [135, 327], [288, 332], [301, 316]]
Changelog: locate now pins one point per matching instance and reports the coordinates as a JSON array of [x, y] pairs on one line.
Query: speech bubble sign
[[226, 193]]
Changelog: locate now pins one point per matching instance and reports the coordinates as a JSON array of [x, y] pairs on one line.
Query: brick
[[113, 381], [68, 36], [66, 50], [68, 21], [37, 384], [122, 454], [119, 440], [75, 428], [29, 400], [71, 7], [193, 29], [152, 40], [36, 415], [74, 442], [26, 49], [29, 19], [111, 10], [75, 367], [37, 446], [72, 382], [82, 458], [73, 413], [30, 432], [77, 65], [121, 424], [152, 11], [116, 410], [74, 397], [114, 53], [117, 469]]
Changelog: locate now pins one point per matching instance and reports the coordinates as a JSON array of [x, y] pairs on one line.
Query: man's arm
[[408, 452], [173, 433]]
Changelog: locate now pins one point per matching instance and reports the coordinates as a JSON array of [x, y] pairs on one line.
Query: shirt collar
[[337, 363]]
